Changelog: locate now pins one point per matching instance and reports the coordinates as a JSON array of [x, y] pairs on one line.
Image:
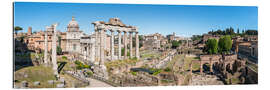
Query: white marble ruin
[[112, 26], [54, 58]]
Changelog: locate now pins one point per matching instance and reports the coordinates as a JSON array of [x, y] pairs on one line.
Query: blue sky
[[185, 20]]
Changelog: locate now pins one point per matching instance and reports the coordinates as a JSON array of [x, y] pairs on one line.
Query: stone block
[[50, 81], [24, 84], [36, 83], [60, 85]]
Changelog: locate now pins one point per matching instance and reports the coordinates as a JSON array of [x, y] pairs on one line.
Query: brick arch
[[211, 59]]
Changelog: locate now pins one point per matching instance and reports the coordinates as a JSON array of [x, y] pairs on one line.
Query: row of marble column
[[100, 43]]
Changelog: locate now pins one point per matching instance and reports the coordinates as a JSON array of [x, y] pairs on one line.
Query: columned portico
[[100, 40], [101, 46]]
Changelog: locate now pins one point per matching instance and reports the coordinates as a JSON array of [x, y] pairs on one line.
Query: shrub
[[133, 73], [64, 57], [80, 65], [89, 73], [156, 72], [167, 69], [77, 62], [87, 66]]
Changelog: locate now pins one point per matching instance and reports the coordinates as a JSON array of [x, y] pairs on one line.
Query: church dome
[[73, 23]]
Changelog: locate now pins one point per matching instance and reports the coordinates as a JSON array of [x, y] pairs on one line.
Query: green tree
[[212, 46], [225, 44], [17, 28], [175, 44], [59, 50], [251, 32]]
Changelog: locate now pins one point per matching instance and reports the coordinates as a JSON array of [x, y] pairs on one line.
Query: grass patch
[[80, 65], [35, 73], [166, 81], [133, 73], [155, 71], [118, 63], [188, 60]]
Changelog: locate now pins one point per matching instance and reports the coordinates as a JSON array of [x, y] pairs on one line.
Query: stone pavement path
[[97, 83]]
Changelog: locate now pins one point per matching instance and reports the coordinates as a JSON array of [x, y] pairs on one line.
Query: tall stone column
[[105, 43], [130, 44], [102, 56], [97, 46], [92, 53], [125, 44], [105, 40], [190, 67], [224, 68], [54, 58], [87, 51], [231, 66], [112, 44], [119, 45], [137, 45], [46, 48], [201, 68], [211, 65]]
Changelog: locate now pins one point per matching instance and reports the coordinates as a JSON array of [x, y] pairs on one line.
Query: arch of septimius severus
[[114, 25]]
